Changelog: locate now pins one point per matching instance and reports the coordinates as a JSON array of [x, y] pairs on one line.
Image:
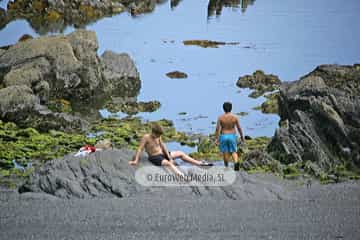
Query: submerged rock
[[61, 67], [207, 43], [322, 116], [177, 74]]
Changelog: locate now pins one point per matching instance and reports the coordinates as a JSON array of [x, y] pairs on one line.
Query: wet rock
[[177, 74], [322, 111], [260, 82], [120, 73]]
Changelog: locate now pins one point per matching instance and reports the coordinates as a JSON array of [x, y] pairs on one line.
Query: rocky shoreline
[[45, 81], [45, 15]]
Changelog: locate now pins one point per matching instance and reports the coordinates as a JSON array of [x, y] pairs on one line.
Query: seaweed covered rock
[[271, 105], [320, 116], [65, 68], [55, 15], [260, 82], [133, 108]]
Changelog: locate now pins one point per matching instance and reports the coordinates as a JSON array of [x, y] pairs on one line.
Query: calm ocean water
[[287, 38]]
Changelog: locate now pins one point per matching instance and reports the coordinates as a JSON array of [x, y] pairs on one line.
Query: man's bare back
[[228, 122]]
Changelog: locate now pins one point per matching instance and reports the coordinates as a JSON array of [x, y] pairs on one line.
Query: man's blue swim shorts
[[228, 143]]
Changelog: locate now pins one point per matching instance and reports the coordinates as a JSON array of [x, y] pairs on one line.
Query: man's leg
[[226, 156], [236, 161], [185, 157]]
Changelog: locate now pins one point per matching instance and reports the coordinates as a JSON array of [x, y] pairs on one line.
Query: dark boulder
[[320, 119], [108, 174]]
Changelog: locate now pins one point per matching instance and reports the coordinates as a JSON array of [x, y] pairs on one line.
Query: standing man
[[226, 135]]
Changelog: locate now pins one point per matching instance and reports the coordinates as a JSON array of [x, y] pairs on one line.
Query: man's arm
[[164, 149], [140, 149], [240, 130], [217, 131]]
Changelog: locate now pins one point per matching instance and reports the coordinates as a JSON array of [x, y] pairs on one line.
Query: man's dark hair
[[157, 129], [227, 106]]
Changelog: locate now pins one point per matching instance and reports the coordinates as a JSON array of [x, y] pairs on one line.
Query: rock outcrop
[[320, 120], [260, 82], [55, 15], [3, 18], [108, 174], [60, 67], [215, 6]]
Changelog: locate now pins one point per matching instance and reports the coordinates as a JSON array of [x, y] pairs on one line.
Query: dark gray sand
[[315, 212]]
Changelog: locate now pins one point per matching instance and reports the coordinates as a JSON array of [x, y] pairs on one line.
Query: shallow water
[[287, 38]]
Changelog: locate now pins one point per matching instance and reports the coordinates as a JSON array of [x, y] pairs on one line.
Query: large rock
[[75, 70], [120, 73], [16, 102], [320, 118], [19, 104], [108, 174], [63, 67]]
